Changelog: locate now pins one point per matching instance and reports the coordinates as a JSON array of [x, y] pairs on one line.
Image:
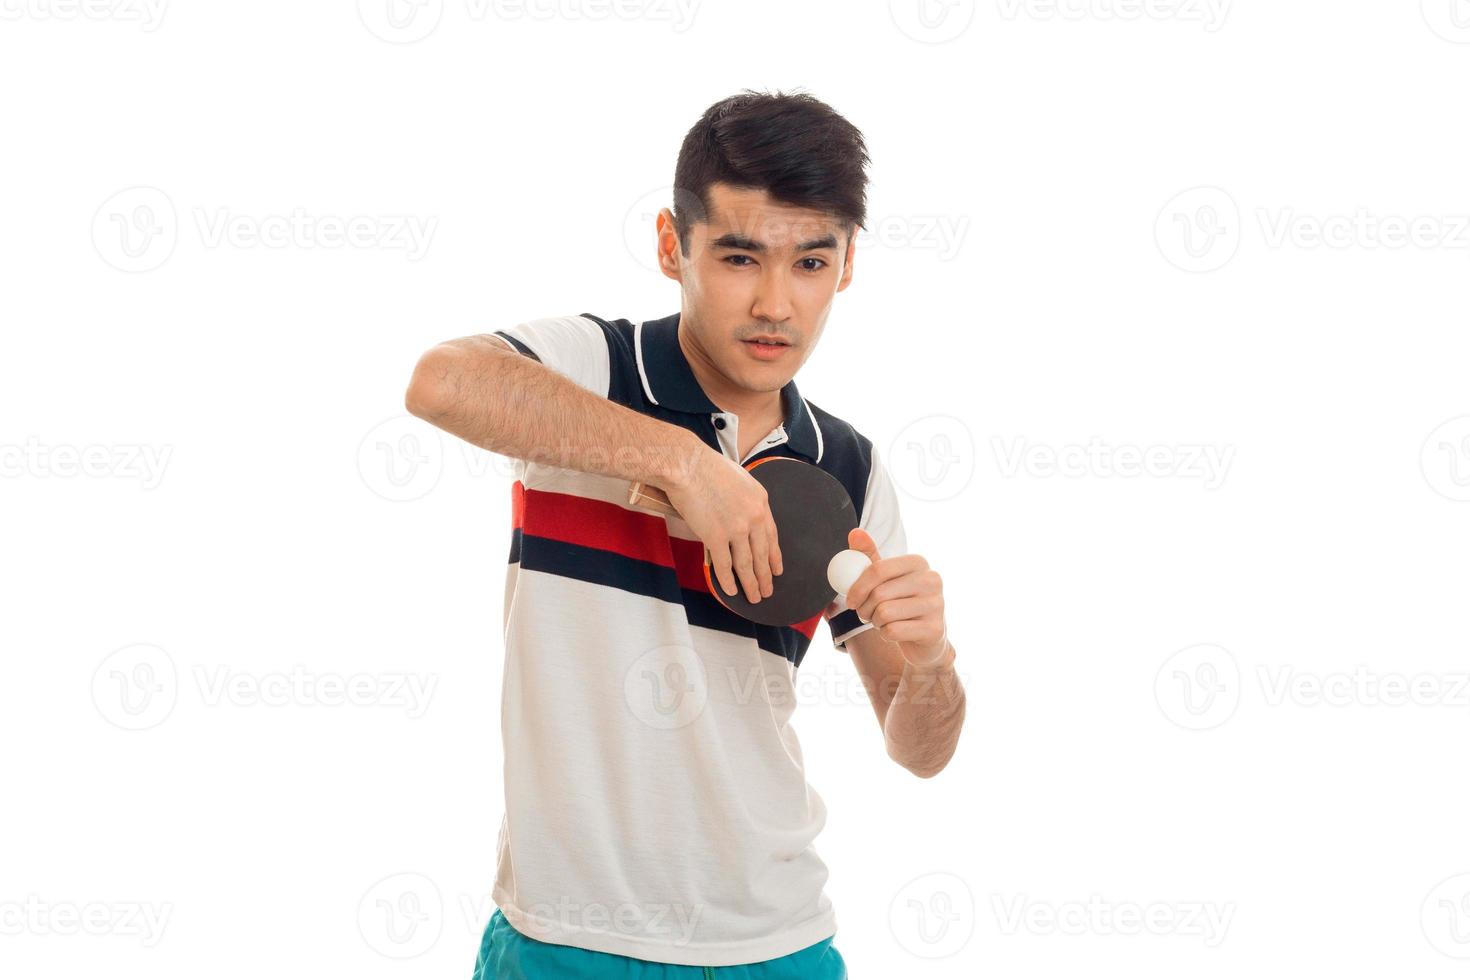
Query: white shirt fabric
[[656, 803]]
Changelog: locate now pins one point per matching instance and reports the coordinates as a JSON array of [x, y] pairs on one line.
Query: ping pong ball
[[844, 569]]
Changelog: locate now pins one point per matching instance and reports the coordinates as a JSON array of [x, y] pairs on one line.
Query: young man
[[658, 822]]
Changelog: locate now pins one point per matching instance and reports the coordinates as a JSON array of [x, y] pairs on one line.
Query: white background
[[1231, 694]]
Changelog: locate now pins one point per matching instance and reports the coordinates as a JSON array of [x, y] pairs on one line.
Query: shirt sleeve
[[573, 346], [881, 519]]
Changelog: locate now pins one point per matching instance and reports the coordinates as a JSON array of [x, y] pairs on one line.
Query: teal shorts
[[507, 955]]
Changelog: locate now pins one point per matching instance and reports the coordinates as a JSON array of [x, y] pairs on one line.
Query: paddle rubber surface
[[813, 514]]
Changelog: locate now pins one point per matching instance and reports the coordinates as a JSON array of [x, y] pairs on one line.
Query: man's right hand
[[728, 510]]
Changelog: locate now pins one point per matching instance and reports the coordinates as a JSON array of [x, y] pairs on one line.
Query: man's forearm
[[500, 400], [924, 719]]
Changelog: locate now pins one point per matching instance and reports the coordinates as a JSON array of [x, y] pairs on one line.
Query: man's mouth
[[768, 348]]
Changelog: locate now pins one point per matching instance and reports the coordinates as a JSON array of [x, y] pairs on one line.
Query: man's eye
[[732, 259], [820, 264]]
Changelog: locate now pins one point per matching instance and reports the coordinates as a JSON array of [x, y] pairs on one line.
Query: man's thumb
[[860, 540]]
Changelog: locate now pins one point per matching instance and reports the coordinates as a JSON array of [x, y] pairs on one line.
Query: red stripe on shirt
[[598, 524], [591, 523]]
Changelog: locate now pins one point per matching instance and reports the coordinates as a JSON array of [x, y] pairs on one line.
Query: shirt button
[[719, 422]]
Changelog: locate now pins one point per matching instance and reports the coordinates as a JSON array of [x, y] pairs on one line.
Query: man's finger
[[760, 553], [744, 567], [892, 611], [894, 581], [776, 562], [719, 559]]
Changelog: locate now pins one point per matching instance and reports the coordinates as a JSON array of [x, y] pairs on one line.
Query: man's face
[[756, 268]]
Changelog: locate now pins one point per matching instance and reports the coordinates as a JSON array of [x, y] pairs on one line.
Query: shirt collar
[[669, 382]]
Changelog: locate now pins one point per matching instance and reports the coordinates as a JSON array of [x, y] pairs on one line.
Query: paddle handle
[[647, 497]]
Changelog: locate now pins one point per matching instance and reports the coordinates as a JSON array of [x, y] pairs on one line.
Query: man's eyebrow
[[747, 244]]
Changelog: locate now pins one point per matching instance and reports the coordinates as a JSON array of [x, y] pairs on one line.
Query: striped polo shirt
[[656, 805]]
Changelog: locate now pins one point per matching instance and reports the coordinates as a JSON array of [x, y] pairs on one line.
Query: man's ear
[[847, 262], [667, 243]]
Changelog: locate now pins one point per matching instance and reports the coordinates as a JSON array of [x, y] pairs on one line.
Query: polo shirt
[[656, 804]]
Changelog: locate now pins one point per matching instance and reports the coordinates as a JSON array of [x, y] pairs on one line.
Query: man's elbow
[[923, 767], [428, 394], [924, 770]]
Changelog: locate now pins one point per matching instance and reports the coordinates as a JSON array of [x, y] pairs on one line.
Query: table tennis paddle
[[813, 514]]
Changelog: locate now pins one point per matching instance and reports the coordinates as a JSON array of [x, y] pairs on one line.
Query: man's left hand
[[904, 600]]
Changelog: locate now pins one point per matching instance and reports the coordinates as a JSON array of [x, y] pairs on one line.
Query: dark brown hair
[[795, 147]]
